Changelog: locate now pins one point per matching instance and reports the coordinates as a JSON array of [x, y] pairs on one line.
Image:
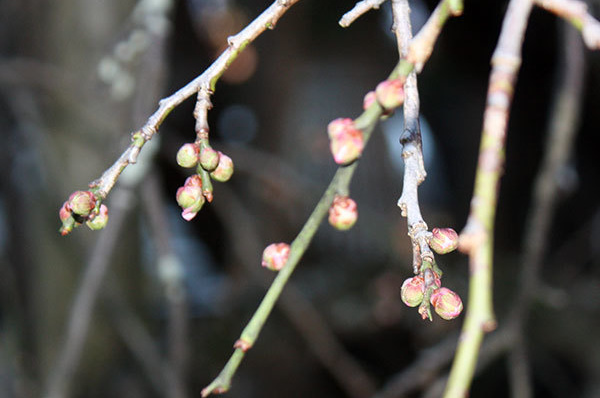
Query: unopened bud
[[81, 203], [343, 213], [346, 141], [66, 217], [100, 220], [412, 291], [275, 256], [443, 240], [209, 158], [390, 93], [190, 197], [187, 156], [447, 304], [224, 169], [369, 99]]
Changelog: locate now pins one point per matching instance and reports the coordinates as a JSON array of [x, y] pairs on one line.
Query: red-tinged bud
[[81, 203], [224, 170], [369, 99], [190, 197], [209, 158], [64, 212], [412, 291], [275, 256], [443, 240], [346, 141], [447, 304], [390, 93], [100, 220], [187, 156], [343, 213]]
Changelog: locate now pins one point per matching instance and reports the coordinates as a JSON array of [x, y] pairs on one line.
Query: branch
[[203, 85], [359, 9], [576, 12], [476, 238]]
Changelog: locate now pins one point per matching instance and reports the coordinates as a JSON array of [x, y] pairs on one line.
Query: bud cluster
[[425, 289], [209, 164], [82, 206], [345, 141]]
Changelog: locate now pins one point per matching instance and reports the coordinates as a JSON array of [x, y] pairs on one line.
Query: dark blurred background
[[77, 76]]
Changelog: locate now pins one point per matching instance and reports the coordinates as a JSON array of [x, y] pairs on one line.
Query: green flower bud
[[447, 304], [209, 158], [412, 291], [443, 240], [224, 170], [187, 156], [100, 220], [81, 203], [390, 93], [343, 213], [346, 141]]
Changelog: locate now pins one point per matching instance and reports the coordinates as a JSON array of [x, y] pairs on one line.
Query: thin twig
[[477, 237], [359, 9], [301, 313], [576, 12]]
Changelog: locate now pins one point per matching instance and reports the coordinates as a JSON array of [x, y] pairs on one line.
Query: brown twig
[[359, 9], [477, 237]]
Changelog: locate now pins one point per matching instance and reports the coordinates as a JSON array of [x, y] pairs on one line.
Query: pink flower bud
[[209, 158], [100, 220], [190, 197], [81, 203], [66, 217], [447, 304], [187, 156], [343, 213], [369, 99], [275, 256], [390, 93], [346, 141], [412, 291], [224, 169], [443, 240]]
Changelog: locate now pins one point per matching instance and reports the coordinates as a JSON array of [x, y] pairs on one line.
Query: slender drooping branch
[[477, 237]]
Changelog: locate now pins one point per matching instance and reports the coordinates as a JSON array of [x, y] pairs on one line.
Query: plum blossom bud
[[209, 158], [443, 240], [343, 213], [346, 141], [81, 203], [390, 93], [66, 217], [275, 256], [190, 197], [369, 99], [100, 220], [224, 169], [187, 156], [412, 291], [447, 304]]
